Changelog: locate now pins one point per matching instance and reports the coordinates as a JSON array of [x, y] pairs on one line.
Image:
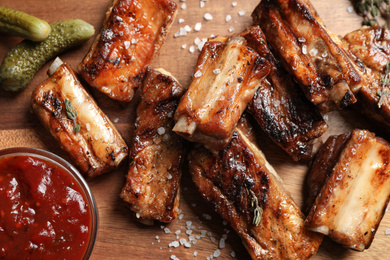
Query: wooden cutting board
[[119, 235]]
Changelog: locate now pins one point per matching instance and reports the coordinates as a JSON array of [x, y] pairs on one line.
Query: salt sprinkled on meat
[[161, 130], [197, 74], [127, 44], [304, 49], [216, 71], [313, 52], [301, 39]]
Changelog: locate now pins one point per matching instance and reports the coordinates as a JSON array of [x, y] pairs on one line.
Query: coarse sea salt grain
[[217, 253], [188, 28], [195, 253], [208, 17], [184, 6], [197, 74], [167, 231], [221, 243], [161, 130], [127, 44], [181, 20], [387, 231], [216, 71], [228, 18], [192, 49], [242, 13], [198, 26], [234, 4], [233, 254], [201, 4], [350, 9], [231, 29], [184, 46]]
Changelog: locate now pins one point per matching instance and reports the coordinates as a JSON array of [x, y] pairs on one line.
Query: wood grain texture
[[119, 235]]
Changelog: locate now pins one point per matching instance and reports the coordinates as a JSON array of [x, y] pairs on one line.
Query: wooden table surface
[[119, 235]]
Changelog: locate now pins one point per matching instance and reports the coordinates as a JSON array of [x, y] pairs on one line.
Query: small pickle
[[25, 59], [24, 25]]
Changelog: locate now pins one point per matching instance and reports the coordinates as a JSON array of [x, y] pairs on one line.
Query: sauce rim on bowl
[[74, 173]]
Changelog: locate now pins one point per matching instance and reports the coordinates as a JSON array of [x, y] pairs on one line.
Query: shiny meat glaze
[[281, 108], [346, 208], [314, 55], [322, 166], [226, 77], [132, 35], [230, 179], [97, 147], [152, 184], [371, 45]]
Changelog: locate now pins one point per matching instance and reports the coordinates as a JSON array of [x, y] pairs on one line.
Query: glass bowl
[[77, 178]]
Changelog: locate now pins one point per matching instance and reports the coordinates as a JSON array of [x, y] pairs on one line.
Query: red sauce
[[43, 211]]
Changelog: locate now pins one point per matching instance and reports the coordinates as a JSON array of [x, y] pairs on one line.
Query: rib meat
[[132, 35], [281, 108], [353, 200], [315, 56], [246, 191], [227, 76], [371, 45], [97, 147], [152, 183]]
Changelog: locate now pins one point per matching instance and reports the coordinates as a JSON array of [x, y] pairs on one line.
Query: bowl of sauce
[[47, 210]]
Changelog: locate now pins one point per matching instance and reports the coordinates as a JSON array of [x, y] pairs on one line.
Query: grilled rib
[[152, 183], [238, 179], [346, 208], [281, 108], [322, 166], [227, 76], [371, 45], [314, 55], [97, 147], [132, 35]]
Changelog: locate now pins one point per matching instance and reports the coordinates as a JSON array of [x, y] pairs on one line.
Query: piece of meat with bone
[[315, 56], [132, 35], [248, 194], [322, 166], [152, 184], [371, 45], [74, 119], [226, 77], [281, 108], [353, 200]]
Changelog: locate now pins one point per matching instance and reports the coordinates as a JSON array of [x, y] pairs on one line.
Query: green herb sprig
[[72, 114], [258, 211], [372, 9], [385, 81]]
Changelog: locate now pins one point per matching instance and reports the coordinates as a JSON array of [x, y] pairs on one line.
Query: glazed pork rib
[[74, 119], [353, 200], [246, 191], [227, 76], [371, 45], [314, 55], [132, 35], [280, 107], [152, 183]]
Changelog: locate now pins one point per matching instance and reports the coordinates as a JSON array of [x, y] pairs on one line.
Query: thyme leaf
[[72, 114], [258, 211], [385, 80]]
